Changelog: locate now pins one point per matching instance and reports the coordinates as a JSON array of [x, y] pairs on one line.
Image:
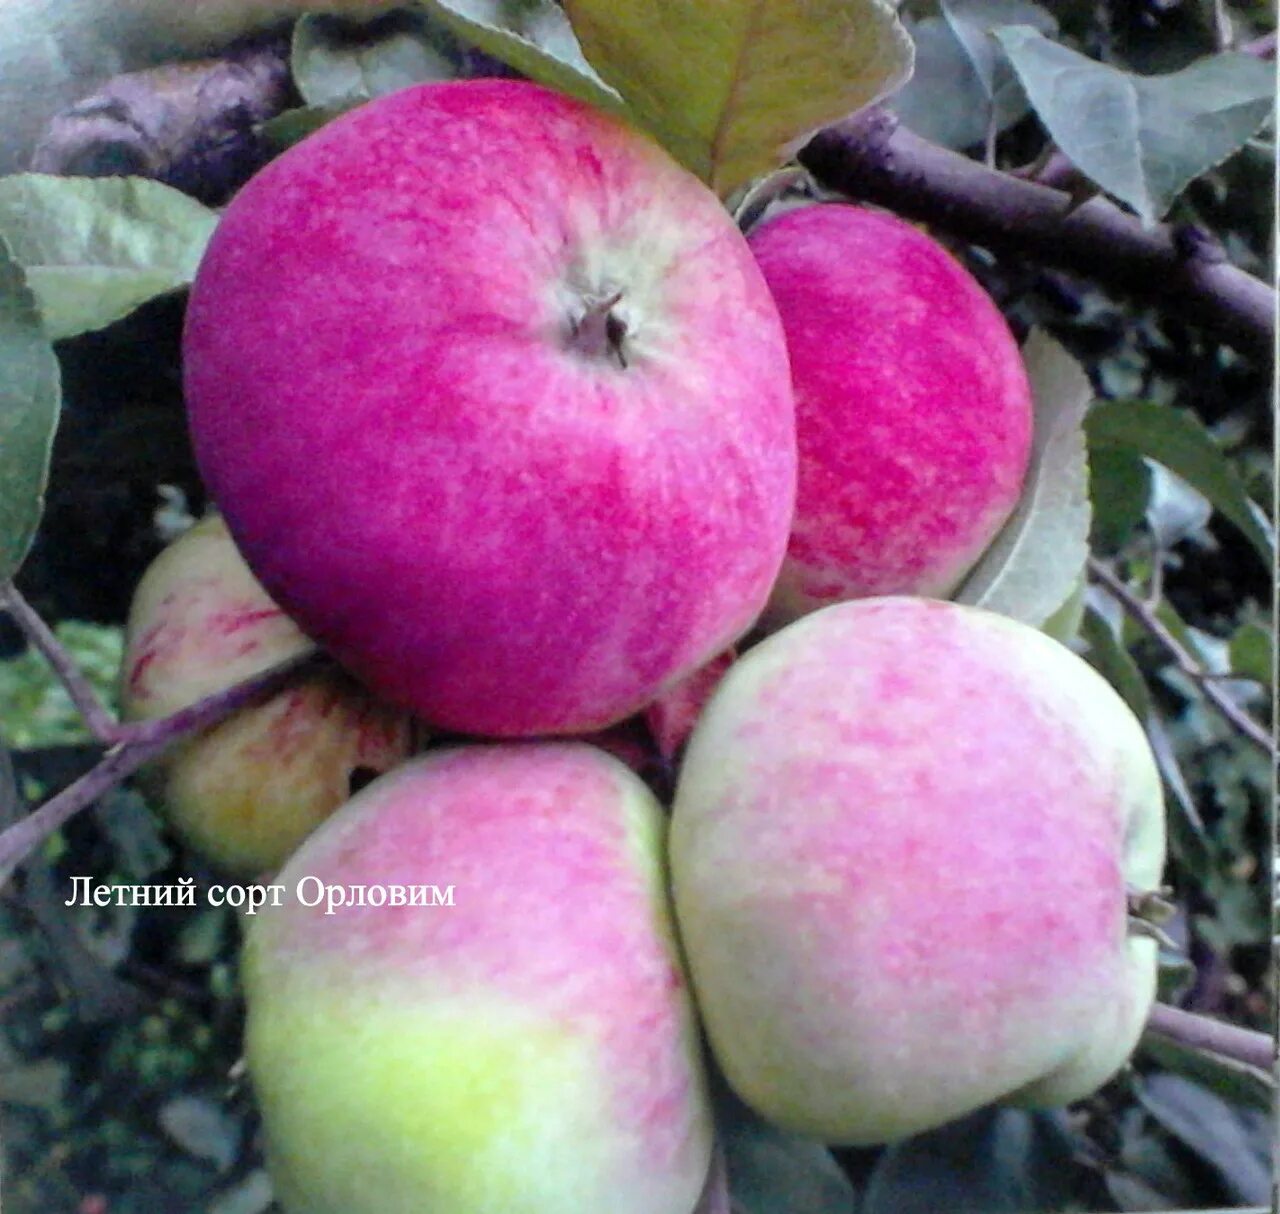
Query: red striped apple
[[246, 792], [518, 1041], [903, 842], [912, 407], [497, 405]]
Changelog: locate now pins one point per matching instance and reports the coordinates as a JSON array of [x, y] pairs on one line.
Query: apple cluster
[[503, 412]]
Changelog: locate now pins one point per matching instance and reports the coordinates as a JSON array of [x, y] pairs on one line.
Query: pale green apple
[[903, 840]]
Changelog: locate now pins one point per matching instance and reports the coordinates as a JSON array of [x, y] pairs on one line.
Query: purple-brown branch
[[1179, 270], [1217, 1037], [137, 745], [99, 720]]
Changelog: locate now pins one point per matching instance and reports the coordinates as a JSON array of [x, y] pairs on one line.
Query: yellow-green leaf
[[733, 87]]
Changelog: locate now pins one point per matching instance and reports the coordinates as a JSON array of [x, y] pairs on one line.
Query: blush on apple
[[497, 405], [903, 842], [912, 408], [246, 792], [527, 1046]]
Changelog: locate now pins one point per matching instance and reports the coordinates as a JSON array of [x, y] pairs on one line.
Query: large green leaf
[[533, 36], [1182, 444], [1141, 138], [733, 87], [336, 64], [30, 400], [1035, 563], [95, 248]]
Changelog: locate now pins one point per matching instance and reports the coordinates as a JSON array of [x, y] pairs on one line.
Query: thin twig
[[1260, 48], [138, 745], [871, 157], [1204, 1033], [96, 716], [1142, 614]]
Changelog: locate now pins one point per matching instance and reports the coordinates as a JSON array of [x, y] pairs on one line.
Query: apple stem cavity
[[600, 332]]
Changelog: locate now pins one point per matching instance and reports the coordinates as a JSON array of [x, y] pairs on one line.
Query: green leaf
[[1180, 442], [1064, 624], [30, 402], [1253, 653], [203, 1129], [773, 1172], [1119, 489], [733, 89], [95, 248], [38, 712], [1108, 656], [1234, 1140], [293, 126], [338, 64], [997, 1160], [1035, 562], [1236, 1081], [963, 88], [1141, 138], [532, 36]]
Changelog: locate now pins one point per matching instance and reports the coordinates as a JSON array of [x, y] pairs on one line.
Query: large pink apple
[[912, 407], [497, 405], [903, 842], [519, 1039]]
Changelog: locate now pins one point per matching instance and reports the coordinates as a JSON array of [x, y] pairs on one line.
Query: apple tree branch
[[1179, 270], [1145, 617], [136, 745]]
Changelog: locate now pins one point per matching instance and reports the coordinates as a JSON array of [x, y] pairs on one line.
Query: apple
[[670, 718], [246, 792], [912, 408], [903, 840], [531, 1047], [497, 406]]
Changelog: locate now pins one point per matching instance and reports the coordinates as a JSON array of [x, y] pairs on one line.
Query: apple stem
[[599, 332]]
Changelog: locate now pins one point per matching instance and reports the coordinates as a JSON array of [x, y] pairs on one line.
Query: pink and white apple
[[530, 1047], [912, 408], [903, 841], [497, 405], [246, 792]]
